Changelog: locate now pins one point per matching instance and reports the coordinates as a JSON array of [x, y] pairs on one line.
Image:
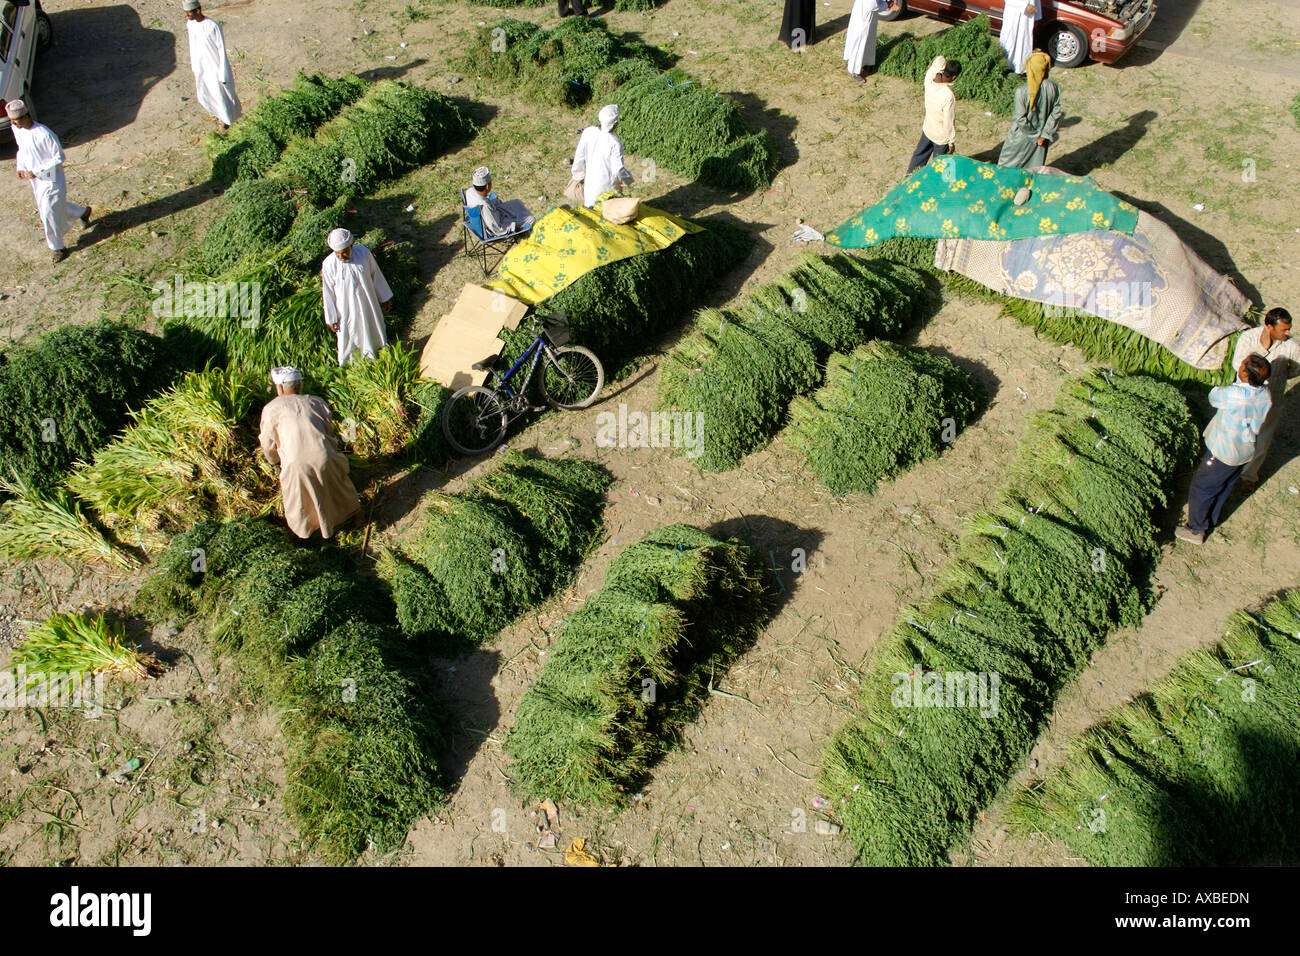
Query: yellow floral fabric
[[959, 197], [566, 244]]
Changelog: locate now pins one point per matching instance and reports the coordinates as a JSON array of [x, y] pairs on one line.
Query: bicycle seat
[[487, 365]]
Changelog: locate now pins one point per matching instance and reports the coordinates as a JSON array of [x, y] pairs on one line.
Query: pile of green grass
[[985, 75], [385, 134], [694, 131], [361, 729], [64, 396], [260, 216], [510, 540], [620, 309], [78, 647], [883, 410], [684, 126], [742, 367], [633, 665], [570, 64], [38, 524], [254, 143], [1202, 771], [1061, 560], [1103, 342]]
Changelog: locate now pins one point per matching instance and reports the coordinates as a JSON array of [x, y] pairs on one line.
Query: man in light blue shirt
[[1229, 446]]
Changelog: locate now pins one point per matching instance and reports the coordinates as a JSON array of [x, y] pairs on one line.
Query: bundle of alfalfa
[[883, 410], [385, 134], [260, 215], [64, 396], [620, 309], [631, 667], [374, 402], [1200, 771], [694, 131], [961, 689], [569, 64], [362, 730], [254, 143], [985, 75], [510, 540], [191, 453], [741, 368]]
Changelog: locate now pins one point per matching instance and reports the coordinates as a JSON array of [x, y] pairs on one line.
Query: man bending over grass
[[297, 434]]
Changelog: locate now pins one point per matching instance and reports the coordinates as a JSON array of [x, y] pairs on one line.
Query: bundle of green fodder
[[569, 64], [741, 368], [499, 548], [1040, 580], [362, 731], [374, 400], [1101, 341], [191, 453], [73, 647], [985, 75], [632, 666], [619, 309], [693, 131], [260, 216], [1202, 771], [388, 132], [428, 445], [883, 410], [53, 524], [65, 395], [684, 126], [253, 144]]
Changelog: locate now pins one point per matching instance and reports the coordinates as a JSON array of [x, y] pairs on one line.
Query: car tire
[[1066, 45], [44, 32], [890, 15]]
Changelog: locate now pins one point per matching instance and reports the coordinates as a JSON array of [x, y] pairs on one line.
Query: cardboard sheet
[[467, 334]]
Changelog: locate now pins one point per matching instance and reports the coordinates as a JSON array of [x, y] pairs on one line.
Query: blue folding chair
[[489, 252]]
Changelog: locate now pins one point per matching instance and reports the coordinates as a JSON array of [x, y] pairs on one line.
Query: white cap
[[339, 239], [16, 108], [608, 116], [285, 375], [482, 176], [189, 5]]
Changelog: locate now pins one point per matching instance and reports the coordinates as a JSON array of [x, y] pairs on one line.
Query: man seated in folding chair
[[491, 224]]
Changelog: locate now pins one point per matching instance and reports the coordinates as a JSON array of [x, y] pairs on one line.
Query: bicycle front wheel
[[572, 377], [474, 420]]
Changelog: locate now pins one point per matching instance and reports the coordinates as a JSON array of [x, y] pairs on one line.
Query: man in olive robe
[[1037, 117]]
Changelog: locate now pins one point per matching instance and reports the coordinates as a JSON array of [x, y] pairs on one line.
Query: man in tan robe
[[298, 435]]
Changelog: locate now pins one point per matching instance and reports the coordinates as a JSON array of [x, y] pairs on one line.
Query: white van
[[25, 31]]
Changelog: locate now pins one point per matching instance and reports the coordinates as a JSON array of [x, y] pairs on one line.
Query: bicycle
[[476, 417]]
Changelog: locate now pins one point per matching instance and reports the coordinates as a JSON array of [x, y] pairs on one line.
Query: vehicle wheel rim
[[1067, 46]]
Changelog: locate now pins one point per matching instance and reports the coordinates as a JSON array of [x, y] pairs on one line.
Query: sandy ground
[[1176, 124]]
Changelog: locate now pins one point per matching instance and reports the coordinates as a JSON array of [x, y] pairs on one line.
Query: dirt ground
[[1202, 101]]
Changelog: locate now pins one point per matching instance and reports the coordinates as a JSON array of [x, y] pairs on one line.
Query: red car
[[1071, 32]]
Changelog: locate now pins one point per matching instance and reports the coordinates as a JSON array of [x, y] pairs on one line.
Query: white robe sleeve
[[376, 276], [328, 296]]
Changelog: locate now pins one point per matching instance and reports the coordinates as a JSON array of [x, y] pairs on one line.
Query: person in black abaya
[[800, 15]]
